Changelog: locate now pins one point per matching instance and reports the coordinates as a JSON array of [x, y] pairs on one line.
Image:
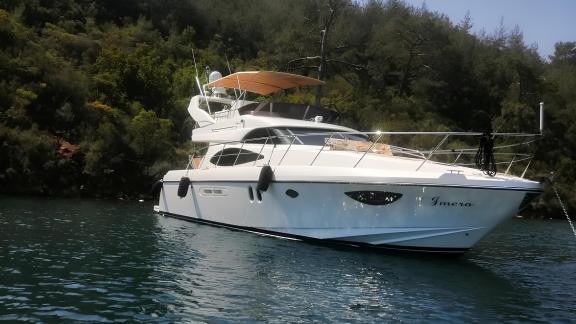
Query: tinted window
[[261, 136], [289, 110], [214, 106], [314, 136], [233, 156]]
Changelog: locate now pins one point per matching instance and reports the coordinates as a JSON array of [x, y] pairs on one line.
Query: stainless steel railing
[[436, 154]]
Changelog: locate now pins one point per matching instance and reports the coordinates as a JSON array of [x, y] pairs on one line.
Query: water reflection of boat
[[266, 278], [285, 170]]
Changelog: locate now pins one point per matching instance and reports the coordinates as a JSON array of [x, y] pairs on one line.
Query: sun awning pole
[[541, 117]]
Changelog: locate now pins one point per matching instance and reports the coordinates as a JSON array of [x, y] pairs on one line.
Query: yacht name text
[[439, 203]]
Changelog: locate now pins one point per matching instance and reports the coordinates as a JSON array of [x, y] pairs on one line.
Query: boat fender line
[[183, 187], [551, 181], [266, 176], [156, 187], [484, 158]]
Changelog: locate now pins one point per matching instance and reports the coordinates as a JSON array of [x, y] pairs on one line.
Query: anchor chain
[[564, 209]]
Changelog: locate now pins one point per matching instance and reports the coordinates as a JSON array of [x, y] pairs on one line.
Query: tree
[[149, 137]]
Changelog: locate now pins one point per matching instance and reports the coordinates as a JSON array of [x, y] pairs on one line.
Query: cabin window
[[298, 136], [315, 136], [233, 156], [214, 106], [261, 136]]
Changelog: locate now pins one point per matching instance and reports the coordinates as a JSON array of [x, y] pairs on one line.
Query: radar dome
[[214, 75]]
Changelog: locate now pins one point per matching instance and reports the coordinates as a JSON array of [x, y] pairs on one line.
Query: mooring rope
[[564, 209], [484, 158]]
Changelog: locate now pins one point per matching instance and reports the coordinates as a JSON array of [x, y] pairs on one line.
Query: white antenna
[[230, 72], [194, 58], [198, 83], [541, 117]]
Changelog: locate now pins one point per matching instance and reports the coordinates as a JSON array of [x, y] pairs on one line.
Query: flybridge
[[214, 110]]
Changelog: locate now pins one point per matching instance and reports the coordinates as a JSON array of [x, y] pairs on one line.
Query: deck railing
[[439, 154]]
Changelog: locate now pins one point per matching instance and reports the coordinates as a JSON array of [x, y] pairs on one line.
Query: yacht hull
[[406, 216]]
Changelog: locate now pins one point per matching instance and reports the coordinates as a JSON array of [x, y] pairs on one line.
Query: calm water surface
[[86, 260]]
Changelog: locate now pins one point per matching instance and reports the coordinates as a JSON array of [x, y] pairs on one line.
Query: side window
[[261, 136], [232, 156]]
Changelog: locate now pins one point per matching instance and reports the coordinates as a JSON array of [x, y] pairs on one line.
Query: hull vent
[[374, 197]]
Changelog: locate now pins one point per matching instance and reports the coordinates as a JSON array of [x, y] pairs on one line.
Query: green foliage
[[115, 78], [149, 137]]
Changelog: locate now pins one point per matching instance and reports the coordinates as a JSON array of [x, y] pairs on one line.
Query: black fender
[[183, 187], [266, 177]]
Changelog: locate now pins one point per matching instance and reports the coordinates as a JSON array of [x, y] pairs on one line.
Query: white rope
[[564, 209]]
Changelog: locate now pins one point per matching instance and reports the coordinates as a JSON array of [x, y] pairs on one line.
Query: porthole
[[292, 193]]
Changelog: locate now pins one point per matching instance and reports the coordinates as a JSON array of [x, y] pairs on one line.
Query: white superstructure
[[285, 170]]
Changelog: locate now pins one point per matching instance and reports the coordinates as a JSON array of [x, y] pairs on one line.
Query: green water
[[88, 260]]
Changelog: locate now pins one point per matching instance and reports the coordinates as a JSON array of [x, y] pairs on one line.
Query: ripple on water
[[100, 261]]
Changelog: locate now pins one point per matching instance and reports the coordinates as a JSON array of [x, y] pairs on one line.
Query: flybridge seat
[[358, 146], [289, 110]]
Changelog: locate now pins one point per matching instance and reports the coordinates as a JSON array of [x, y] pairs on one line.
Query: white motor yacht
[[286, 170]]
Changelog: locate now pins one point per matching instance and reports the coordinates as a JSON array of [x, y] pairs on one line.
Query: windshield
[[314, 136]]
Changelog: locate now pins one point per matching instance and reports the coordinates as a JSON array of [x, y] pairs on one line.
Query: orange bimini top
[[264, 82]]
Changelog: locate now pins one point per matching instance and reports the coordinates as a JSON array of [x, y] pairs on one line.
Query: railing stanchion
[[289, 146], [261, 149], [239, 152], [526, 169], [510, 165], [203, 158], [271, 152], [368, 150], [220, 156], [190, 159], [433, 151], [457, 158], [323, 146]]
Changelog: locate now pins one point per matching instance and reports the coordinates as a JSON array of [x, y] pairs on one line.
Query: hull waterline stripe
[[370, 184], [315, 240]]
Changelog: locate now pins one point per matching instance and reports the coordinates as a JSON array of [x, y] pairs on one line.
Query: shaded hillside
[[111, 80]]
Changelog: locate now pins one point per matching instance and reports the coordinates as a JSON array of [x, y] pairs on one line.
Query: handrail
[[510, 165], [424, 155], [271, 153], [368, 150], [220, 156], [288, 149], [239, 152], [321, 149], [457, 157], [526, 168], [261, 149]]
